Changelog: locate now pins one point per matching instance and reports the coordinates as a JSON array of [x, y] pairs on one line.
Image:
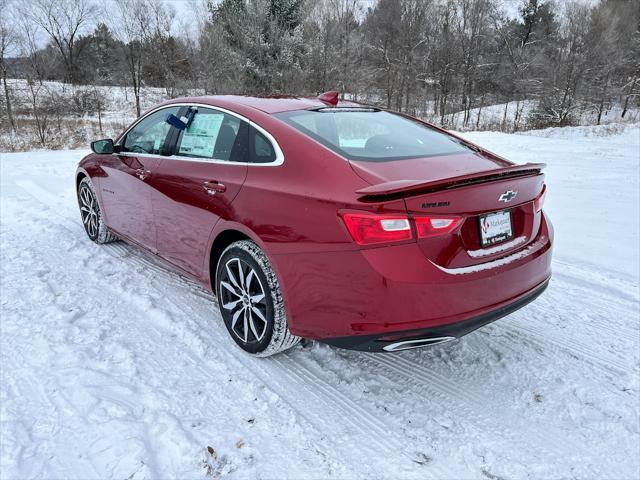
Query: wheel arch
[[79, 176], [220, 243]]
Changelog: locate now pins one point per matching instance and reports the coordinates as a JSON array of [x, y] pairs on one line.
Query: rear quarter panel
[[294, 207]]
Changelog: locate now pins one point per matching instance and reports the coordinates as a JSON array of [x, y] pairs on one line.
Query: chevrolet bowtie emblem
[[507, 196]]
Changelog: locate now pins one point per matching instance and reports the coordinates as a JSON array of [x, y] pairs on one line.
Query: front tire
[[91, 215], [251, 302]]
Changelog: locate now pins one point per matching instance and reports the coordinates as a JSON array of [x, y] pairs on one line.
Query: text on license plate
[[495, 228]]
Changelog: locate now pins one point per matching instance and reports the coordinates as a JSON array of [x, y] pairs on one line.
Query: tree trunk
[[626, 100], [480, 111], [504, 117], [12, 120], [137, 95], [435, 102], [443, 106], [99, 103], [516, 117], [136, 81]]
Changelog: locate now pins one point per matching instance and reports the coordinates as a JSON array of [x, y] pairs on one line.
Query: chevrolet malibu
[[312, 218]]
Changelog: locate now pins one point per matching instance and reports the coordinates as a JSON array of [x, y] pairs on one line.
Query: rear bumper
[[379, 343], [379, 292]]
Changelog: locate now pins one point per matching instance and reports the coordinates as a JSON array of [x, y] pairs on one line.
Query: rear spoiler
[[403, 188]]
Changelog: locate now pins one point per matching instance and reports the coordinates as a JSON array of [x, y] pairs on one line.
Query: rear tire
[[251, 302], [91, 215]]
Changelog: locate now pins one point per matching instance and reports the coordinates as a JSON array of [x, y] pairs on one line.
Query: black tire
[[251, 304], [91, 215]]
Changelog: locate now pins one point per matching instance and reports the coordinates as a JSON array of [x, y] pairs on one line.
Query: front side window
[[214, 135], [372, 135], [149, 134]]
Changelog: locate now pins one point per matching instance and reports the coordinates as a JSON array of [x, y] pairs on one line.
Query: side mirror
[[102, 147]]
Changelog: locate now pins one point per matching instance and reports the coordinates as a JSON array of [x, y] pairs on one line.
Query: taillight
[[368, 229], [538, 202], [433, 226]]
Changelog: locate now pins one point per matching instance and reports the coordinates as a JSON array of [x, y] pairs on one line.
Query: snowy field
[[113, 367]]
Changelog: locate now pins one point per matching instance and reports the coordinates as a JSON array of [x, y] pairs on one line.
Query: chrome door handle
[[142, 174], [214, 187]]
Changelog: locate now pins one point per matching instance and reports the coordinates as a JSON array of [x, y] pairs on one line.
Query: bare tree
[[565, 68], [382, 37], [37, 67], [64, 22], [446, 64], [472, 31], [139, 23], [8, 42], [164, 43], [134, 31]]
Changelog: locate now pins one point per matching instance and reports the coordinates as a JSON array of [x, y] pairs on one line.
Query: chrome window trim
[[276, 148]]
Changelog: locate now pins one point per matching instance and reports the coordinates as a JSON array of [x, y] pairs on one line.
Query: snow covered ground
[[492, 117], [111, 366]]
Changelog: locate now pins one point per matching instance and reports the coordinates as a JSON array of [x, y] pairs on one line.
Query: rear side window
[[149, 135], [372, 135], [214, 135], [260, 148]]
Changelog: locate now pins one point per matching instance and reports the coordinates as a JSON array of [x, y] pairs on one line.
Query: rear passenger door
[[195, 186]]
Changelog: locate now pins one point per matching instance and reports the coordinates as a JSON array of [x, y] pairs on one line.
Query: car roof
[[268, 104]]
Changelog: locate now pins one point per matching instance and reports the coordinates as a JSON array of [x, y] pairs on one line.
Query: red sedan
[[327, 220]]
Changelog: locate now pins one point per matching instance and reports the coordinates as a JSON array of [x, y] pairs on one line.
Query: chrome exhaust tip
[[418, 343]]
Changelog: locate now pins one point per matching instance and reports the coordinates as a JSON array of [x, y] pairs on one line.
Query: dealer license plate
[[495, 228]]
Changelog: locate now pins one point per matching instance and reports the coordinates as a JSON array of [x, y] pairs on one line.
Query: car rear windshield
[[372, 135]]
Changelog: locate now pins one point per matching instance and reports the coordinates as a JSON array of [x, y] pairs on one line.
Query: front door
[[126, 188], [196, 186]]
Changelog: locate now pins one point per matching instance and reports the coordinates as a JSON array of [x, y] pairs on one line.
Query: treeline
[[425, 57]]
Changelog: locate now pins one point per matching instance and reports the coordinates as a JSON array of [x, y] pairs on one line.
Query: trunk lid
[[467, 186]]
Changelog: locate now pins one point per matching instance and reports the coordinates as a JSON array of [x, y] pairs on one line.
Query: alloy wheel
[[243, 295], [89, 210]]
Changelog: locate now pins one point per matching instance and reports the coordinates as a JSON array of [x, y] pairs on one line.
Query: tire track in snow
[[138, 257], [548, 310], [304, 379], [607, 282], [358, 426], [143, 331], [27, 388], [61, 402], [300, 379], [288, 395], [604, 304], [475, 405], [578, 350], [300, 375], [354, 410], [297, 374], [343, 411]]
